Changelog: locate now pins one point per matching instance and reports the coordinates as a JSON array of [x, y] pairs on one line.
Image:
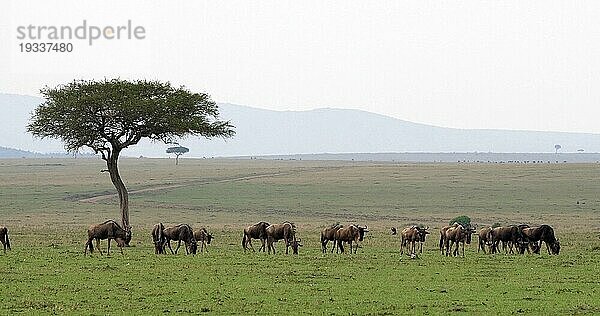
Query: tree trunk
[[177, 159], [113, 169]]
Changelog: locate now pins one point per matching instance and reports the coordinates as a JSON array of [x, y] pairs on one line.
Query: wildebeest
[[179, 233], [276, 232], [327, 234], [457, 235], [158, 238], [204, 237], [509, 236], [412, 235], [256, 231], [544, 233], [4, 238], [349, 234], [443, 236], [483, 238], [107, 230]]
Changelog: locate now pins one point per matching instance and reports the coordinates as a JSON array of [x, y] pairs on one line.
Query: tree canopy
[[178, 151], [111, 115]]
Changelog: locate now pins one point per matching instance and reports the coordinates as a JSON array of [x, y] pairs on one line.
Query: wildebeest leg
[[169, 244], [98, 246], [324, 245], [108, 251], [463, 248], [333, 245], [178, 245]]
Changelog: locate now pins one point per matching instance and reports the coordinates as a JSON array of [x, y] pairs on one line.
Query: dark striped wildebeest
[[285, 231], [179, 233], [256, 231], [410, 236], [349, 234], [544, 233], [158, 238], [204, 237], [327, 234], [107, 230]]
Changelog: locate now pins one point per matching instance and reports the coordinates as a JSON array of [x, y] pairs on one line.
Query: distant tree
[[556, 148], [463, 220], [178, 151], [111, 115], [496, 225]]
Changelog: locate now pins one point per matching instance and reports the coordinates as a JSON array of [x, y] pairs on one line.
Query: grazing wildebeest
[[204, 238], [179, 233], [328, 234], [256, 231], [158, 238], [509, 236], [107, 230], [544, 233], [458, 235], [412, 235], [483, 238], [443, 236], [4, 238], [349, 234], [276, 232]]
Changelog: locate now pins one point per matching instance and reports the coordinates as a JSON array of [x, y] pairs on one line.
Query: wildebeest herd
[[512, 239]]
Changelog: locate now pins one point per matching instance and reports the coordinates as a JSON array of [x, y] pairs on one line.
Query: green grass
[[46, 271]]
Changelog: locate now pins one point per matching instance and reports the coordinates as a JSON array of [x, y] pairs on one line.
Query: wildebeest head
[[469, 231], [394, 231], [361, 232], [193, 246], [127, 239], [423, 233], [555, 247], [295, 244], [209, 238]]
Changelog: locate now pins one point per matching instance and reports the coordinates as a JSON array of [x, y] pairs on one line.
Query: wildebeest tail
[[244, 241]]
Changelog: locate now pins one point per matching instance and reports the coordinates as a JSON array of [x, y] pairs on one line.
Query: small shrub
[[463, 220]]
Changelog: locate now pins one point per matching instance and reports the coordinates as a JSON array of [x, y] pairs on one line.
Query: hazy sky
[[531, 65]]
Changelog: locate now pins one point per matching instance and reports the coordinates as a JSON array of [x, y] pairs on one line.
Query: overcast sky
[[531, 65]]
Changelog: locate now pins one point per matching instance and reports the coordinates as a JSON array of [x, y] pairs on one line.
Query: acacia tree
[[111, 115], [178, 151]]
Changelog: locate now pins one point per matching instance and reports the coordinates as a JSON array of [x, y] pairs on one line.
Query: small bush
[[463, 220], [496, 225]]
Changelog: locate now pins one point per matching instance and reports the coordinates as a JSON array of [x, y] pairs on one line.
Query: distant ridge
[[262, 132], [16, 153]]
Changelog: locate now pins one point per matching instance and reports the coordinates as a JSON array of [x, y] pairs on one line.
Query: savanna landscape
[[48, 204]]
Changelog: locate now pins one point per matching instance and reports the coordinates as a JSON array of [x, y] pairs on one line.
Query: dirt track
[[98, 198]]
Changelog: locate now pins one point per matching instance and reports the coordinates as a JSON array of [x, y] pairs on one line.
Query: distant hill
[[16, 153], [266, 132]]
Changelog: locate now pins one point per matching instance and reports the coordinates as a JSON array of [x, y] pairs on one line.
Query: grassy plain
[[46, 272]]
